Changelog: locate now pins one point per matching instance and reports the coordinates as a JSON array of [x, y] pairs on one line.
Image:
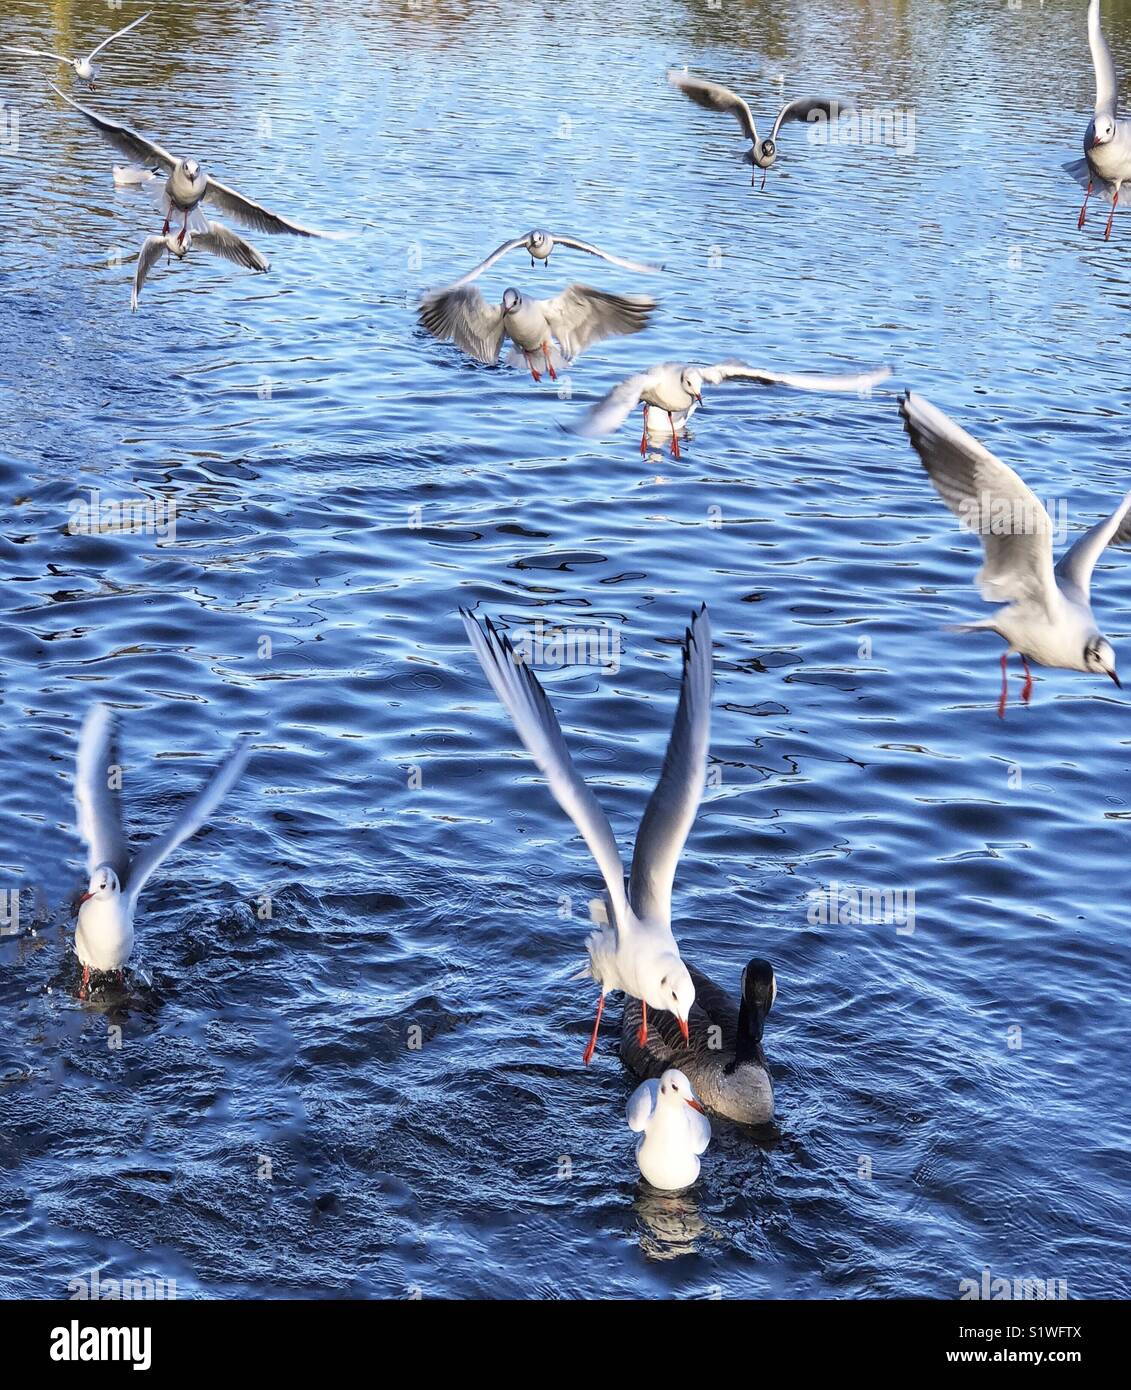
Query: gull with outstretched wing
[[84, 67]]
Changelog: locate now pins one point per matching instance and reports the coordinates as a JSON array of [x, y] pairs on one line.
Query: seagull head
[[84, 68], [191, 169], [1099, 656], [103, 885], [540, 243], [692, 382], [668, 985], [1103, 130], [511, 301], [766, 153], [675, 1089]]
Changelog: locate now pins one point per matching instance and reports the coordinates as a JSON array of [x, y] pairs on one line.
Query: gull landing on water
[[673, 1131], [104, 936], [187, 185], [539, 244], [84, 67], [762, 154], [576, 317], [676, 388], [217, 240], [1107, 141], [635, 951], [1047, 616]]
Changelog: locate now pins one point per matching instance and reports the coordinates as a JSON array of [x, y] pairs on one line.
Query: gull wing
[[148, 257], [642, 1105], [1077, 563], [713, 96], [613, 409], [581, 315], [577, 245], [125, 140], [98, 812], [733, 370], [133, 25], [464, 317], [803, 109], [219, 240], [1107, 85]]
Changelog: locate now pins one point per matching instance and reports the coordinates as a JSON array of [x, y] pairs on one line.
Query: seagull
[[539, 244], [187, 184], [576, 317], [104, 936], [677, 389], [673, 1129], [762, 153], [1047, 617], [84, 67], [218, 240], [635, 950], [1107, 141], [723, 1058]]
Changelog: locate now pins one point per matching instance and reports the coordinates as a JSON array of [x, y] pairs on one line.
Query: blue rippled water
[[379, 1089]]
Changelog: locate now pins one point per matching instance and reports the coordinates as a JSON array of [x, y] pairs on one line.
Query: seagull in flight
[[218, 240], [1107, 140], [187, 185], [84, 67], [104, 936], [539, 244], [762, 154], [1047, 615]]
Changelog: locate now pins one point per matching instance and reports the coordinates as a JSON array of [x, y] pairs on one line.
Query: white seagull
[[762, 154], [539, 244], [84, 67], [1047, 617], [104, 936], [676, 388], [673, 1131], [187, 185], [576, 317], [635, 951], [218, 240], [1107, 141]]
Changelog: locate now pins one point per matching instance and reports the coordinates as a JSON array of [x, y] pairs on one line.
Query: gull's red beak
[[696, 1106], [86, 897], [686, 1034]]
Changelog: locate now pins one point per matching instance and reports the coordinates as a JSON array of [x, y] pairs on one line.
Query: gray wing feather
[[613, 409], [127, 141], [34, 53], [804, 108], [674, 802], [256, 216], [990, 499], [219, 240], [537, 726], [190, 819], [581, 315], [495, 255], [148, 257], [713, 96], [607, 256], [733, 370], [642, 1105], [98, 814], [1077, 563], [1106, 82], [464, 317], [132, 25]]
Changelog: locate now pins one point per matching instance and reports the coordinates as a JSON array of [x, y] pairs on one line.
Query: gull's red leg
[[1084, 207], [184, 231], [1027, 688], [1004, 685], [85, 982], [642, 1031], [549, 364], [589, 1051], [644, 435], [675, 437], [1111, 215], [530, 364]]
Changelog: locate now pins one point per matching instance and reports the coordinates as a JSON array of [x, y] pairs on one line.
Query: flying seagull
[[1047, 617], [218, 240], [539, 244], [676, 388], [84, 67], [1107, 141], [762, 153], [187, 184], [104, 936], [576, 317]]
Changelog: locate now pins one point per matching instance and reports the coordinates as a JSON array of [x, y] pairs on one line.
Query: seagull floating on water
[[104, 936], [635, 950], [1107, 141], [723, 1057], [1047, 616], [576, 317], [673, 1131], [539, 244], [676, 388], [762, 154], [187, 185], [84, 67], [218, 240]]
